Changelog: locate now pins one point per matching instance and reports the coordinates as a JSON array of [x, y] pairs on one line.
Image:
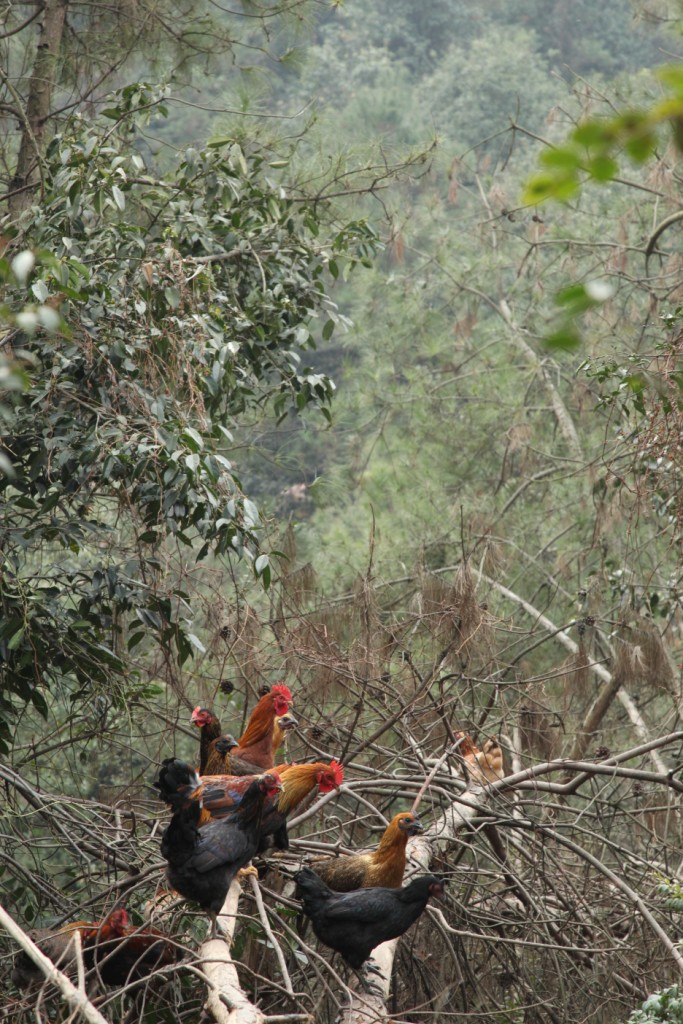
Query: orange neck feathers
[[298, 780], [394, 841], [260, 723]]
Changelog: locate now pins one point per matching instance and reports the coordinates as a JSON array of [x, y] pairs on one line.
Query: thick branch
[[38, 106], [225, 1000]]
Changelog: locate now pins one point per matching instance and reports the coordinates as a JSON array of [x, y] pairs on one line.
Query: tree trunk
[[37, 112]]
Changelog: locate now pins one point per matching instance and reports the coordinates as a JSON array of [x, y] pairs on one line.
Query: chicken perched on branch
[[298, 780], [283, 725], [220, 794], [209, 732], [203, 862], [484, 765], [118, 951], [384, 866], [353, 923], [254, 751]]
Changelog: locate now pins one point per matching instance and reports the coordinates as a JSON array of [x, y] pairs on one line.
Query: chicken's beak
[[288, 722], [416, 828]]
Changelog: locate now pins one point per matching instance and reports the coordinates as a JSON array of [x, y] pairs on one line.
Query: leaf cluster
[[179, 305]]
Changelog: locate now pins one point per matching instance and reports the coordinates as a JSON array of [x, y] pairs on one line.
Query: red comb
[[119, 918], [282, 691], [338, 771]]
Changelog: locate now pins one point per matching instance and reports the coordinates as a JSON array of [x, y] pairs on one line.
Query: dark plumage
[[355, 922], [203, 863]]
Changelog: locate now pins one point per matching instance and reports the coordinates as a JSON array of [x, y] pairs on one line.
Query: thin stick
[[269, 932]]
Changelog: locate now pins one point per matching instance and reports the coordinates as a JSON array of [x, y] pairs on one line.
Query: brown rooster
[[254, 751], [118, 951], [484, 765], [384, 866]]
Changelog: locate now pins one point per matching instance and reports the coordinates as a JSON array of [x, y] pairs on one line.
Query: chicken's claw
[[246, 872], [370, 985]]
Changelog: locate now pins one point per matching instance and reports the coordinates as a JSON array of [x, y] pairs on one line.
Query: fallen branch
[[225, 1000]]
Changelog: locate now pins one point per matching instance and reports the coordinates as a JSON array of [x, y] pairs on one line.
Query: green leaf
[[172, 296], [542, 187], [566, 159], [196, 642], [602, 168], [566, 338], [119, 197], [672, 76], [593, 133], [328, 330], [193, 439], [15, 640], [39, 703], [40, 290]]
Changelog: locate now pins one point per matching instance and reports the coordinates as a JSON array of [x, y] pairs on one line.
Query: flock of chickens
[[236, 806]]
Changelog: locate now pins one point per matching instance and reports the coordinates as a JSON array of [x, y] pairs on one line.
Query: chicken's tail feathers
[[178, 783]]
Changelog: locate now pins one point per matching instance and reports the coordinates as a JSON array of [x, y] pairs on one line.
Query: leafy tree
[[473, 557], [176, 304]]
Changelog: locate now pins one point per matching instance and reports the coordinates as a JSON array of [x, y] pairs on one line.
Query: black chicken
[[355, 922], [203, 863]]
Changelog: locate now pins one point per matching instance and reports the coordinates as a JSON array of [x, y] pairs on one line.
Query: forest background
[[299, 384]]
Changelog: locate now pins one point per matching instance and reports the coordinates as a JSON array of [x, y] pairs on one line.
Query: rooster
[[121, 952], [202, 863], [118, 951], [484, 765], [254, 751], [298, 780], [384, 866], [219, 794], [355, 922]]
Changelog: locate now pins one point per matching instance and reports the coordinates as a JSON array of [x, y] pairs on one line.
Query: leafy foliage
[[594, 148], [176, 305], [665, 1007]]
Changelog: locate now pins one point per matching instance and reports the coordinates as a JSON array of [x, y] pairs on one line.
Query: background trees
[[486, 538]]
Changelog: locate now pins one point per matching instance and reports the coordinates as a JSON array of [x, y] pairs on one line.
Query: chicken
[[254, 751], [209, 731], [355, 922], [220, 794], [484, 765], [283, 725], [219, 761], [298, 780], [203, 862], [383, 866], [179, 783], [121, 952], [219, 756], [117, 950], [58, 945]]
